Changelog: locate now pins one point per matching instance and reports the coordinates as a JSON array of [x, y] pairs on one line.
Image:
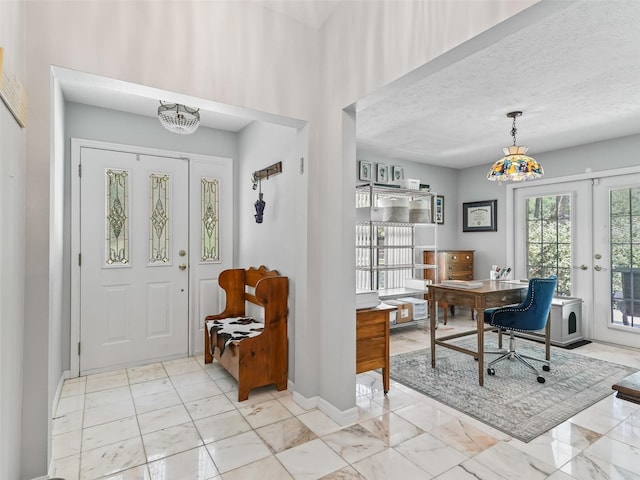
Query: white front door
[[134, 243], [616, 259]]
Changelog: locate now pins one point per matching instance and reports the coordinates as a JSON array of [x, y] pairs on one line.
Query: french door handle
[[581, 267], [598, 268], [182, 266]]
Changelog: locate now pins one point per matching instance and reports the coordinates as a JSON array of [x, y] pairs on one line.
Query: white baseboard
[[54, 404], [341, 417]]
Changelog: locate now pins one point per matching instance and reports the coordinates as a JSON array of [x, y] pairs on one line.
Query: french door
[[152, 231], [616, 210], [588, 233]]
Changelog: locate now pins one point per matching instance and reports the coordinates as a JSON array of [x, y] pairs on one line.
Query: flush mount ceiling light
[[178, 118], [515, 165]]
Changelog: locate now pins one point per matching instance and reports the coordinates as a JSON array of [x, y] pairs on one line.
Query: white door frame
[[76, 145]]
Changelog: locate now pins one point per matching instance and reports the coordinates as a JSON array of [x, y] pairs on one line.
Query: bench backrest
[[259, 286]]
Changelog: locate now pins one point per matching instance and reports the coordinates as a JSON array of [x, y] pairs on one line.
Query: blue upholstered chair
[[530, 315]]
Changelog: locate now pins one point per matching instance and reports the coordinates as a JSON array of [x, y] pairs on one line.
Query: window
[[624, 209], [549, 239]]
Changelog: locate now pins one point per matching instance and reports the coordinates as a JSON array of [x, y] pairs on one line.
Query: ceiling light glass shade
[[515, 166], [179, 118]]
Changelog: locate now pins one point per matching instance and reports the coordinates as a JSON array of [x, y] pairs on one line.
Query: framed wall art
[[398, 173], [480, 216], [366, 171], [439, 210], [384, 174]]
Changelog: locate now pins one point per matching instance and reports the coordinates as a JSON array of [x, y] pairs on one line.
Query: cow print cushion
[[234, 329]]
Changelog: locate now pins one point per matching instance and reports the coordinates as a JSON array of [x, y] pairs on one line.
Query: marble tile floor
[[179, 420]]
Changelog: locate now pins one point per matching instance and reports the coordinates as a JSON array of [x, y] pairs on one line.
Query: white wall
[[273, 242], [366, 45], [238, 53], [12, 248]]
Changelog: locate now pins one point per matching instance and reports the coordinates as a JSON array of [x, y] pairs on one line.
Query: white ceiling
[[575, 74]]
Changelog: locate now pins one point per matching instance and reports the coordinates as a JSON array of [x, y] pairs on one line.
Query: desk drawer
[[366, 330], [498, 299]]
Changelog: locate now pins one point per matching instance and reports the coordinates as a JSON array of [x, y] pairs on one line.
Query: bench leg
[[282, 384], [208, 357], [243, 393]]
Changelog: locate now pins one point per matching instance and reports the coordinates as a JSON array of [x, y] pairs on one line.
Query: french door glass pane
[[624, 240], [549, 232]]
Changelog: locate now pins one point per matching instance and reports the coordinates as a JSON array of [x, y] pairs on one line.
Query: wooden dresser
[[372, 341], [452, 265]]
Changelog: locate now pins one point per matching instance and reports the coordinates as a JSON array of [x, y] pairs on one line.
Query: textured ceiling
[[574, 74]]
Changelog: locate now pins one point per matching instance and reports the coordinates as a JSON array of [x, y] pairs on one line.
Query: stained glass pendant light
[[178, 118], [515, 165]]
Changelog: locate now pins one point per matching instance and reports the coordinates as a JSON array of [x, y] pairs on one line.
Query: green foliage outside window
[[549, 239], [624, 235]]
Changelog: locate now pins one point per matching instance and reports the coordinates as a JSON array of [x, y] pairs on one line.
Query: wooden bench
[[257, 355]]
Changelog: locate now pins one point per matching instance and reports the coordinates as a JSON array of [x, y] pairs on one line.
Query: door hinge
[[79, 169], [78, 348], [79, 259]]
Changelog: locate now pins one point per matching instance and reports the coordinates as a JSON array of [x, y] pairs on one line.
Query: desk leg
[[480, 326], [386, 370], [433, 311]]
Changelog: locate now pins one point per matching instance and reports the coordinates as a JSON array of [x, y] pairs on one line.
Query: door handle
[[598, 268], [182, 266], [581, 267]]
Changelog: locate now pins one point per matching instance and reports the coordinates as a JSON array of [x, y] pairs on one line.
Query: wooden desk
[[372, 341], [492, 293]]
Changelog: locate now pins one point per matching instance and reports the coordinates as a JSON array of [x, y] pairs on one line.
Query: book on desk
[[462, 283]]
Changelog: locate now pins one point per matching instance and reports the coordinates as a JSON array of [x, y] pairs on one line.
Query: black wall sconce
[[256, 180]]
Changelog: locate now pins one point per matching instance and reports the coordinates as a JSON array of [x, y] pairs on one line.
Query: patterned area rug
[[511, 401]]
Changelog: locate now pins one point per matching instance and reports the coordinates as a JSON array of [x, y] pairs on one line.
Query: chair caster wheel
[[541, 379], [491, 371], [546, 368]]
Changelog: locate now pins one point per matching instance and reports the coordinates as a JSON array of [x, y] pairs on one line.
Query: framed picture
[[480, 216], [366, 171], [384, 175], [398, 173], [439, 210]]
